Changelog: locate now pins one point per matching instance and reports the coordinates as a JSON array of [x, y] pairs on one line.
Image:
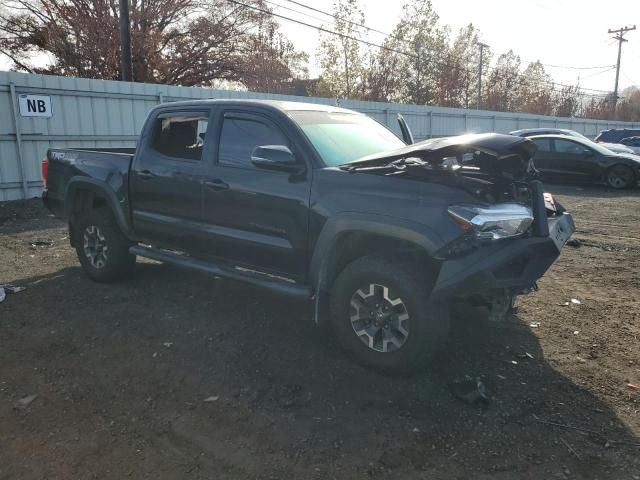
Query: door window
[[240, 136], [180, 136], [567, 146], [543, 144]]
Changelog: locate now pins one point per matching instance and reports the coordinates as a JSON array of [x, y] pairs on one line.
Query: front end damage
[[509, 235]]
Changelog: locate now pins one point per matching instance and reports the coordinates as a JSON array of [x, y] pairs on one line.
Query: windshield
[[342, 138]]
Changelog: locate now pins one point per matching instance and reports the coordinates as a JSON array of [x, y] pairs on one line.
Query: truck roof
[[285, 106]]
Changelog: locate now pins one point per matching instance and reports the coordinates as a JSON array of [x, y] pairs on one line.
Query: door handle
[[216, 184], [146, 175]]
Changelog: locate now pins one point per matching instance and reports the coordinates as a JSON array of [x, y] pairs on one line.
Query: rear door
[[258, 218], [166, 178]]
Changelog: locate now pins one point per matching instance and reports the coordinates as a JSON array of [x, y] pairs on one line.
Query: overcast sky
[[557, 32]]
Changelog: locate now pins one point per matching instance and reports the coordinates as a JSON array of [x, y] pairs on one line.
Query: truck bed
[[102, 165]]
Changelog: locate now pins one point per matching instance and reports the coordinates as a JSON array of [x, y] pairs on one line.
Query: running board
[[248, 276]]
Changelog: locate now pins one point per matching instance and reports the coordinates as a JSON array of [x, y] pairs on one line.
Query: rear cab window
[[180, 135]]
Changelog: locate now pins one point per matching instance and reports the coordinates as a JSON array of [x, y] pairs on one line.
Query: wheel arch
[[348, 237], [85, 193]]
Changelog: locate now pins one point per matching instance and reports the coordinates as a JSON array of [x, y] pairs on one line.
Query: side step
[[275, 285]]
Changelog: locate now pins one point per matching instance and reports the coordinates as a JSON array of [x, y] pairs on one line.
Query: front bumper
[[514, 264]]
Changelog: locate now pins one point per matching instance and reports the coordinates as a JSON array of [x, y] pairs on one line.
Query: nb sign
[[35, 105]]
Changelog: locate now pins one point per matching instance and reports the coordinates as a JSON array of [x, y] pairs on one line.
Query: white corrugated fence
[[42, 111]]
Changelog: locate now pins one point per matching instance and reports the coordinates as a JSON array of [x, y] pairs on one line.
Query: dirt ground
[[123, 372]]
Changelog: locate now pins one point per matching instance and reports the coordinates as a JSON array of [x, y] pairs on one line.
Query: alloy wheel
[[619, 177], [95, 247], [379, 318]]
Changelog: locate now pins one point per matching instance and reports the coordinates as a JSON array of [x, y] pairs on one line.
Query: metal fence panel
[[97, 113]]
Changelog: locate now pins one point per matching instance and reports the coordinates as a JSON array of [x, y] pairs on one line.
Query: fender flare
[[348, 222], [105, 191]]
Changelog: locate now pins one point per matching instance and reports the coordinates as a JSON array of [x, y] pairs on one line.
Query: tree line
[[239, 44]]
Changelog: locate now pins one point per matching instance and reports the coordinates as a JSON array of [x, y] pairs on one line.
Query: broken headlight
[[494, 222]]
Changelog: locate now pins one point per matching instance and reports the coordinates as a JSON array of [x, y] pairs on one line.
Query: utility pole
[[126, 70], [482, 47], [619, 35]]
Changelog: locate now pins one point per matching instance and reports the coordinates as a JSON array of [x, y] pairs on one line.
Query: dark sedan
[[572, 158]]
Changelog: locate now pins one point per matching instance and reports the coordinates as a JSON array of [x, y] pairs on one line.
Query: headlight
[[498, 221]]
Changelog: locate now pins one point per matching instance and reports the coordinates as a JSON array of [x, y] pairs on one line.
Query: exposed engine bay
[[492, 167]]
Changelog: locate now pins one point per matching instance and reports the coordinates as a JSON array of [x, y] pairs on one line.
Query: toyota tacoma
[[382, 236]]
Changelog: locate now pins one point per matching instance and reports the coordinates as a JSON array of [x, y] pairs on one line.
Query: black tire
[[97, 226], [428, 321], [620, 177]]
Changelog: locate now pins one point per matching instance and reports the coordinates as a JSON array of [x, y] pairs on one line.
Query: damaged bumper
[[515, 264]]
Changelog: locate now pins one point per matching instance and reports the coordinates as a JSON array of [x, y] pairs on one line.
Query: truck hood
[[486, 165], [494, 144]]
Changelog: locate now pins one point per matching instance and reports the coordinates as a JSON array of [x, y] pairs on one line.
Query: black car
[[614, 135], [585, 161]]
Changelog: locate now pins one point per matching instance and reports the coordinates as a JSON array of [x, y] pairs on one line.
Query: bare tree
[[183, 42], [342, 56]]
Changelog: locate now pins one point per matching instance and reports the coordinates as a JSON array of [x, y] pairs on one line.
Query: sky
[[568, 33], [557, 32]]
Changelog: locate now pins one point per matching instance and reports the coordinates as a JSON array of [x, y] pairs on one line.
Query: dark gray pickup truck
[[319, 203]]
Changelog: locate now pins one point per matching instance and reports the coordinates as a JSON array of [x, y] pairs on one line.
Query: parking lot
[[179, 375]]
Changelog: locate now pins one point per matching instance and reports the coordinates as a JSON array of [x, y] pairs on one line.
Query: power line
[[322, 29], [335, 17], [366, 42]]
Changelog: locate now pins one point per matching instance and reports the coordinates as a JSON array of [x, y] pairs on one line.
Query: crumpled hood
[[494, 144]]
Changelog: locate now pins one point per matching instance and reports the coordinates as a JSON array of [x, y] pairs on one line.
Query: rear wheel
[[102, 248], [381, 315], [620, 176]]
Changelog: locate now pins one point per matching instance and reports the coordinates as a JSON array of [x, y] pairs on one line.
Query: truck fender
[[101, 188], [385, 226], [350, 222]]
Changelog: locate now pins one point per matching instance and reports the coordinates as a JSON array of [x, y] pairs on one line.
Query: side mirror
[[275, 157]]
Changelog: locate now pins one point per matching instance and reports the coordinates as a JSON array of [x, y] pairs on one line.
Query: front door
[[258, 218], [575, 160], [166, 179]]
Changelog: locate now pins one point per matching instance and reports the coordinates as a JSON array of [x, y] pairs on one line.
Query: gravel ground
[[174, 374]]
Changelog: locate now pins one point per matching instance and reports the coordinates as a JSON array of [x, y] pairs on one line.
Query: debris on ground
[[470, 390], [575, 301], [576, 332], [24, 402], [534, 324], [574, 242], [12, 288], [212, 398], [168, 344], [40, 243], [633, 387]]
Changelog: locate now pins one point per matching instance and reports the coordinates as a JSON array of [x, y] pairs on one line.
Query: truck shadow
[[284, 394]]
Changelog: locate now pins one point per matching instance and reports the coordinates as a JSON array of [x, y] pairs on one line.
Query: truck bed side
[[92, 174]]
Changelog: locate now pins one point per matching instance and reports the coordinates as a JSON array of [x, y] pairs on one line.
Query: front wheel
[[382, 315], [102, 248], [620, 176]]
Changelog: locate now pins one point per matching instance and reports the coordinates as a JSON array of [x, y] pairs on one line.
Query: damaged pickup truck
[[383, 236]]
